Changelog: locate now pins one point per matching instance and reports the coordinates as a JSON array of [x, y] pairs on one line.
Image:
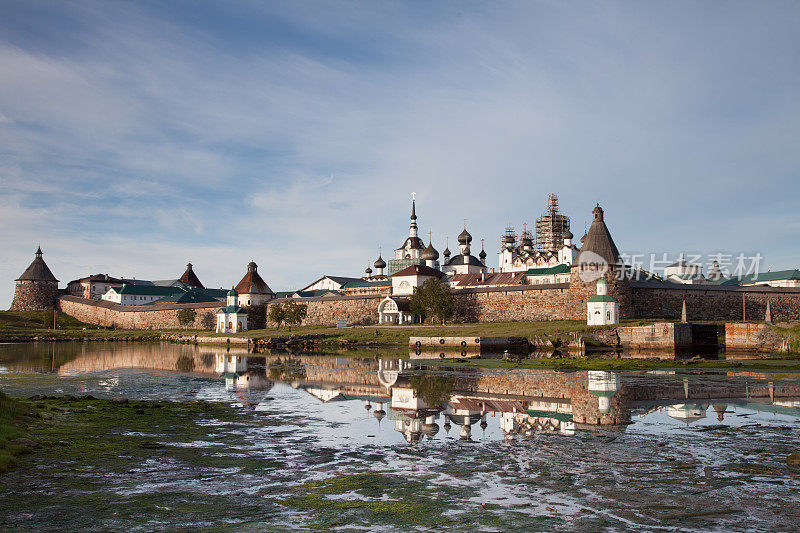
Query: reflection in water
[[495, 449], [421, 400]]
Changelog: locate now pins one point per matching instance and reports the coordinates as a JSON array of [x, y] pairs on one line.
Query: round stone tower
[[37, 287]]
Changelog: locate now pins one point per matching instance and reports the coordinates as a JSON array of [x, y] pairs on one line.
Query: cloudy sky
[[135, 137]]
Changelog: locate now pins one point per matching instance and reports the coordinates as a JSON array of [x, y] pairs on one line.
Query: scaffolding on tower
[[551, 226]]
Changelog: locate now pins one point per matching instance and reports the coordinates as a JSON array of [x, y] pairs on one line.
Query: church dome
[[232, 292], [446, 252], [429, 253], [380, 263], [482, 255], [568, 235], [464, 237], [368, 271]]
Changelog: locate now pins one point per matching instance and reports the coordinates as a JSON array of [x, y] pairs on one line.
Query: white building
[[404, 281], [602, 309], [395, 311], [139, 294], [604, 385], [684, 272], [232, 318]]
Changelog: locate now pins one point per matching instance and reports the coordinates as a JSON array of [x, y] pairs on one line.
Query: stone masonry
[[34, 295]]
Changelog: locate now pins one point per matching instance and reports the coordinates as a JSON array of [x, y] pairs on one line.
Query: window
[[608, 315]]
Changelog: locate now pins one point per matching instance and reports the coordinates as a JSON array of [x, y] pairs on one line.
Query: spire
[[413, 228], [39, 251]]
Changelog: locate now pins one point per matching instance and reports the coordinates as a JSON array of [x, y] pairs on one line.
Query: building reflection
[[424, 402], [438, 403]]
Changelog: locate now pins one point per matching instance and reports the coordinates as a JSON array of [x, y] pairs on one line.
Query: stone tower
[[37, 287]]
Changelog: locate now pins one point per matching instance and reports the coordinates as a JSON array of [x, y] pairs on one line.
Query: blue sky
[[135, 137]]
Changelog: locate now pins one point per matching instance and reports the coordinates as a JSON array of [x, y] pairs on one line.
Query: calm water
[[484, 449]]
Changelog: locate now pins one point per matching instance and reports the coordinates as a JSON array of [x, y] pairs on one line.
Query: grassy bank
[[399, 335], [28, 325], [14, 419]]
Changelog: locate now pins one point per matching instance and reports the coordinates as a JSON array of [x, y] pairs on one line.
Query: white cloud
[[300, 150]]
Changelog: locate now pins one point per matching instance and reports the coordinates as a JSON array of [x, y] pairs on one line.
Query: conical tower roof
[[252, 283], [38, 270], [598, 239], [190, 278]]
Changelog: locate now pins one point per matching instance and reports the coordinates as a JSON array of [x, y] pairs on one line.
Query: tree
[[433, 298], [186, 317], [287, 312], [295, 313], [433, 389], [207, 321], [277, 314]]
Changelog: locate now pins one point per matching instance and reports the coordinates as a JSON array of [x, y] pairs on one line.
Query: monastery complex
[[539, 275]]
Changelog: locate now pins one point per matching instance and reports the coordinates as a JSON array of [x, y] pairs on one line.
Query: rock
[[793, 460], [28, 443]]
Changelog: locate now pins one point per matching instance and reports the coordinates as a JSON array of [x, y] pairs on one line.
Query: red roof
[[252, 283], [419, 270], [190, 278]]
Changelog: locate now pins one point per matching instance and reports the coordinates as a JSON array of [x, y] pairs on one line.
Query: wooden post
[[744, 310]]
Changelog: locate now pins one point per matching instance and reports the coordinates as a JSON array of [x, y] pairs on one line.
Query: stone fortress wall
[[564, 301], [156, 316]]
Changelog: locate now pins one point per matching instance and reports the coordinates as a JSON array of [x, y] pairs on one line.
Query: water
[[334, 442]]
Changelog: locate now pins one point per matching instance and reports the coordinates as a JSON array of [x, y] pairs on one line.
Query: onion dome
[[568, 235], [379, 414], [380, 263], [464, 237], [368, 271], [232, 292], [482, 255], [429, 253], [446, 252], [430, 429]]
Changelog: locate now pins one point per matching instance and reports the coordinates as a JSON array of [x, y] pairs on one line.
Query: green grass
[[14, 417], [29, 324], [399, 335], [792, 334], [371, 498]]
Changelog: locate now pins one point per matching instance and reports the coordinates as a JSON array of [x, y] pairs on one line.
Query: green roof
[[213, 293], [606, 393], [558, 269], [189, 297], [365, 283], [320, 292], [772, 276], [147, 290], [231, 309], [284, 294], [563, 417], [602, 298]]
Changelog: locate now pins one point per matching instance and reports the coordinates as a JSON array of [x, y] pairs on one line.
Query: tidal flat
[[134, 438]]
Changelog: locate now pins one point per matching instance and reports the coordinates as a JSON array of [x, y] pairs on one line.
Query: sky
[[138, 136]]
